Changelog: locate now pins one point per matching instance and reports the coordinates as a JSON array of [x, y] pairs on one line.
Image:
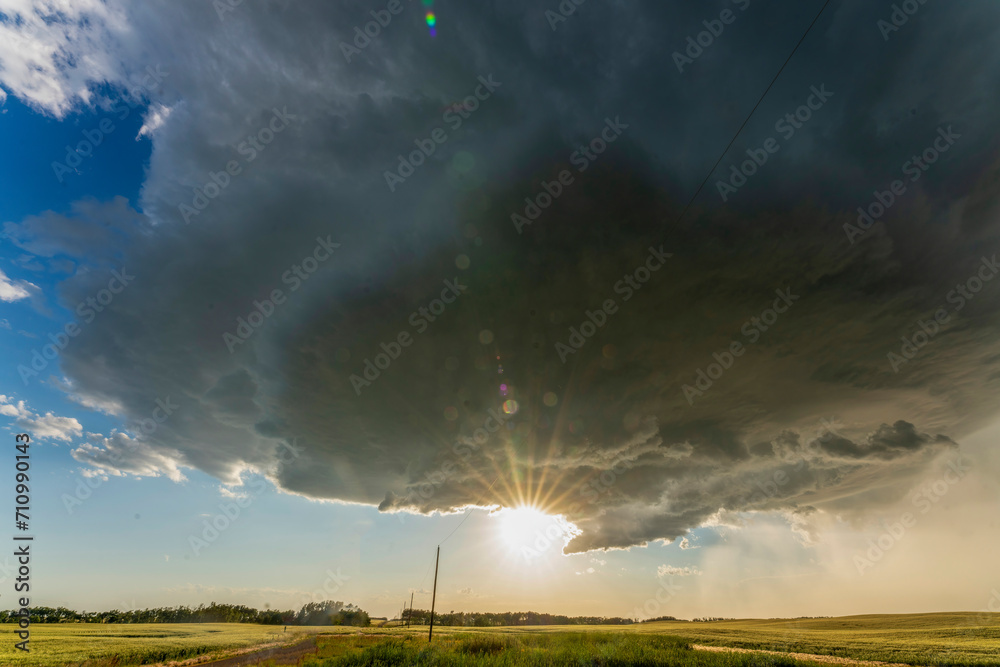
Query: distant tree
[[351, 616], [328, 612]]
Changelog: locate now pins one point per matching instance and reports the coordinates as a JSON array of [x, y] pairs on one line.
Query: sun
[[519, 525], [529, 530]]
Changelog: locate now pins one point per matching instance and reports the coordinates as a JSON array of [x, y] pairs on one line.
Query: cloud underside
[[654, 430]]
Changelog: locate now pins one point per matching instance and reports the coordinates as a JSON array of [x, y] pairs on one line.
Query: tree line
[[329, 612], [507, 618]]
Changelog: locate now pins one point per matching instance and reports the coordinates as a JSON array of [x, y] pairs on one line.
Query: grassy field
[[942, 639], [528, 649], [917, 639], [147, 643]]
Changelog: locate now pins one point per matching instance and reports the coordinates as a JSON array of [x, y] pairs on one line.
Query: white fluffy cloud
[[15, 290], [120, 454], [53, 52], [40, 427]]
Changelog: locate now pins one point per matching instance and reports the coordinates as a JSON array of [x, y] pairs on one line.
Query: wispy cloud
[[671, 571]]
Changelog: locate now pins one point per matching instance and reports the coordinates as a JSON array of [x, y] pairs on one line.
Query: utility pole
[[437, 559], [409, 616]]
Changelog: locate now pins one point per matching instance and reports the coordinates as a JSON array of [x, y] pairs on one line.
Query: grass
[[940, 639], [528, 649], [100, 645], [945, 639]]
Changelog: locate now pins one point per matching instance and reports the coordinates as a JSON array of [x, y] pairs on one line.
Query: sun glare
[[518, 525], [529, 530]]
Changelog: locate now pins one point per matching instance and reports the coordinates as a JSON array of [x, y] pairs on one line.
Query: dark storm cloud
[[623, 452], [886, 443]]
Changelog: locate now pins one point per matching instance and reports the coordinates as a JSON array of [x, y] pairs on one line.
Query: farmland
[[140, 643], [922, 639], [960, 639], [528, 649]]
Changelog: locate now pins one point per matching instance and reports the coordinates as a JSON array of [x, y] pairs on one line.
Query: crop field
[[916, 639], [528, 649], [960, 639], [98, 644]]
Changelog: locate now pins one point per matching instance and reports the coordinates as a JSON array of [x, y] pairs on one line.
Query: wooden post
[[430, 633], [409, 617]]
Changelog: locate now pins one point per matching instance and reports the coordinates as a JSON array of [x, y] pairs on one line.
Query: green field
[[916, 639], [960, 639], [963, 639], [528, 649], [60, 644]]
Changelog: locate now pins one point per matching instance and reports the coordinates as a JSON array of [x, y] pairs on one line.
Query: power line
[[471, 509], [421, 586], [766, 91]]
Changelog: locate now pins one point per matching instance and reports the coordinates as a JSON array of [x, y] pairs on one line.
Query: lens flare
[[430, 18]]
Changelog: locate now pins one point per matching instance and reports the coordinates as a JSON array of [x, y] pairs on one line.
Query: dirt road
[[281, 654], [830, 659]]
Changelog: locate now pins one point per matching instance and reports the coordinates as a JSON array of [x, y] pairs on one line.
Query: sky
[[625, 308]]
